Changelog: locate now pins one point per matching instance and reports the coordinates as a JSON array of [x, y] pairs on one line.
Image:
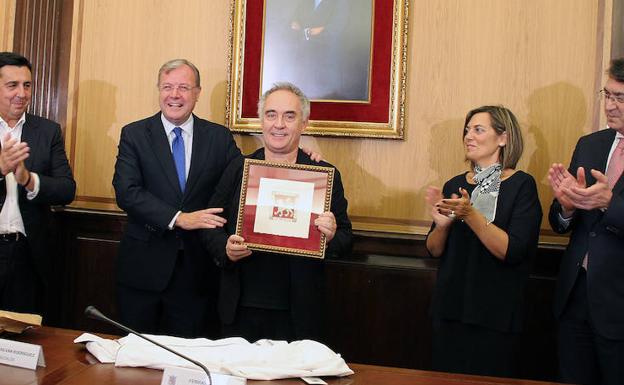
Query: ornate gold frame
[[392, 128], [263, 246]]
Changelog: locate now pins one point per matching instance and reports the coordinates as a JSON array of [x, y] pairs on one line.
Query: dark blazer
[[600, 234], [57, 187], [475, 287], [147, 189], [307, 295]]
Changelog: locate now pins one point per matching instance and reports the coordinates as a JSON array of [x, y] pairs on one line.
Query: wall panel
[[7, 19], [617, 42], [367, 322], [41, 35], [542, 59], [117, 51], [468, 53]]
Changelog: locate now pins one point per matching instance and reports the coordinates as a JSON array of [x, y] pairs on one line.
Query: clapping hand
[[13, 155], [572, 193], [434, 197], [457, 206]]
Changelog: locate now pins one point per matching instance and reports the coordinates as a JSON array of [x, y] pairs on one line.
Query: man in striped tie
[[589, 202]]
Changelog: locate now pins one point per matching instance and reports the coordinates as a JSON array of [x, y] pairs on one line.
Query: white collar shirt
[[10, 217], [618, 137], [187, 135]]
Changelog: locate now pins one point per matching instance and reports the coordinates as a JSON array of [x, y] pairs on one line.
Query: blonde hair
[[177, 63]]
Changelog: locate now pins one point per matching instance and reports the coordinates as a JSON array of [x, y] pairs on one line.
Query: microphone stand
[[94, 313]]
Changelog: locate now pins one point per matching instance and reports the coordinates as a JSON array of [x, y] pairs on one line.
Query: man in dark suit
[[166, 171], [265, 294], [35, 175], [329, 44], [589, 201]]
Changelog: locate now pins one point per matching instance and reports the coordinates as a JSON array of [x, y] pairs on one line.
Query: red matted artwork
[[278, 205], [348, 56]]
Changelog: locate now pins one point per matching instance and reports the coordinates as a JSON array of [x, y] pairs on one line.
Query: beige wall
[[7, 17], [543, 59], [117, 50]]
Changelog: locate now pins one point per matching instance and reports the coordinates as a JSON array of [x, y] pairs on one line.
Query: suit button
[[592, 234]]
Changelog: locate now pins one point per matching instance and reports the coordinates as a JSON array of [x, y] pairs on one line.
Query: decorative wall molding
[[43, 34], [617, 30]]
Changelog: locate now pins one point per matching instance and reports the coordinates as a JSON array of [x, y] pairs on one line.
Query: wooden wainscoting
[[377, 304]]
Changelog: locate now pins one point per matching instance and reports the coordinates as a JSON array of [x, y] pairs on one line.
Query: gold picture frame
[[382, 115], [278, 205]]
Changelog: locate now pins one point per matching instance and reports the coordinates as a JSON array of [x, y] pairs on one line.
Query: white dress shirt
[[10, 216], [187, 135]]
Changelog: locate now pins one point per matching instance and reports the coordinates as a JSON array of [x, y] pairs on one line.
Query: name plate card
[[184, 376], [20, 354]]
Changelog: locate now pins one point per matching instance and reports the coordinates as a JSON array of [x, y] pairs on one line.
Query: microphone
[[94, 313]]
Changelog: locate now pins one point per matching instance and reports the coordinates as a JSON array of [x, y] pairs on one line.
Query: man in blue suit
[[589, 202], [166, 170]]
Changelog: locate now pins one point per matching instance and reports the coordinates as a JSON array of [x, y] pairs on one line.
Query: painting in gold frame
[[379, 114]]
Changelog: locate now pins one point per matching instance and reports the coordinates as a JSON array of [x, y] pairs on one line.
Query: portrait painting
[[348, 56], [322, 46]]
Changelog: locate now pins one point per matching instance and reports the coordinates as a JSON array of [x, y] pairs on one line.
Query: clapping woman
[[485, 231]]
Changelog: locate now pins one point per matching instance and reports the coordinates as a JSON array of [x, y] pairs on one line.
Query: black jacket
[[601, 234], [307, 288]]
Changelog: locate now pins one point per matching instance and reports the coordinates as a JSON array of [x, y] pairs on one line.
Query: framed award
[[279, 203]]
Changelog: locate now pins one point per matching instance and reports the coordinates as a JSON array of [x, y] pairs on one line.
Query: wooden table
[[71, 364]]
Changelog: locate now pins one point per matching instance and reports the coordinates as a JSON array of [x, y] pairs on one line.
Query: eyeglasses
[[288, 116], [616, 98], [182, 88]]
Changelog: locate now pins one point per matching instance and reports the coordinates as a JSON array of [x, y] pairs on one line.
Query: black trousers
[[20, 284], [182, 309], [472, 349], [254, 324], [585, 357]]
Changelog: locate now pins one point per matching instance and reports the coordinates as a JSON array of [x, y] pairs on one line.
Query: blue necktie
[[177, 148]]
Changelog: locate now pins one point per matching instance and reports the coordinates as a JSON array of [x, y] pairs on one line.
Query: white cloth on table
[[262, 360]]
